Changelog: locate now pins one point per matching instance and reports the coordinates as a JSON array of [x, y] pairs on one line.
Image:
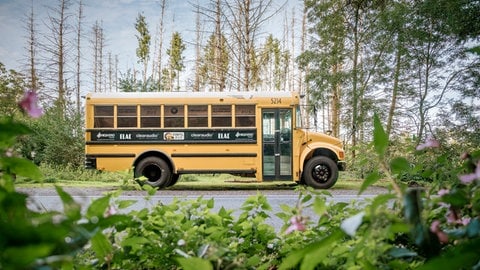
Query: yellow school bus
[[162, 135]]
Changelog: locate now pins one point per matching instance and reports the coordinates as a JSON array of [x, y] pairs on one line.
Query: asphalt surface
[[47, 199]]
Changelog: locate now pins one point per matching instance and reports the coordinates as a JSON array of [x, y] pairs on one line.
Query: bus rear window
[[103, 116], [126, 116]]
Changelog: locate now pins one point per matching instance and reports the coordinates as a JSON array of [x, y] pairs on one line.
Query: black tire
[[174, 179], [320, 172], [156, 170]]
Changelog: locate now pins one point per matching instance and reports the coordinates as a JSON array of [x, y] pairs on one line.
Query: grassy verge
[[74, 177]]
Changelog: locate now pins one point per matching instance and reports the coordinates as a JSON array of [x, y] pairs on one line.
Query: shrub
[[56, 139]]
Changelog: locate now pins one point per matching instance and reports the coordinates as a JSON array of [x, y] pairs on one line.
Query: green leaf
[[307, 198], [101, 246], [70, 207], [126, 203], [210, 203], [371, 179], [413, 206], [20, 166], [24, 256], [319, 206], [98, 207], [399, 165], [321, 251], [134, 241], [456, 197], [402, 253], [312, 254], [194, 264], [10, 130], [150, 190], [381, 201], [463, 256], [473, 228], [475, 50], [380, 138]]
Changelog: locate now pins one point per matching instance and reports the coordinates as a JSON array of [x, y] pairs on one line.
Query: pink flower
[[111, 210], [443, 192], [435, 228], [429, 143], [297, 224], [469, 178], [464, 221], [29, 104], [465, 156], [452, 216]]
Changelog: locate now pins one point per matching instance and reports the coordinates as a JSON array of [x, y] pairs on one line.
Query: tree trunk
[[393, 102], [355, 97]]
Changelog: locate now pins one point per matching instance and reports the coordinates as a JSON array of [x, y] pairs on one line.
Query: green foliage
[[216, 62], [143, 38], [49, 240], [187, 231], [176, 64], [57, 139], [129, 83], [460, 18], [12, 85]]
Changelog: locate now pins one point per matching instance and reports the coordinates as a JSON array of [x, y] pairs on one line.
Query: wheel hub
[[321, 173]]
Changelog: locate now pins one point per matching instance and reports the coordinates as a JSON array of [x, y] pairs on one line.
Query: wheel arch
[[313, 151], [155, 153]]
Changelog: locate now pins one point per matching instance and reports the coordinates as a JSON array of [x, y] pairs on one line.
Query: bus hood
[[320, 137]]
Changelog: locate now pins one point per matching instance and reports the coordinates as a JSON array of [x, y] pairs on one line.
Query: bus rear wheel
[[320, 172], [156, 170]]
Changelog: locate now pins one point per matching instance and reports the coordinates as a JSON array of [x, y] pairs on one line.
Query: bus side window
[[150, 116], [127, 116], [103, 116], [221, 115], [174, 116], [245, 115], [197, 115]]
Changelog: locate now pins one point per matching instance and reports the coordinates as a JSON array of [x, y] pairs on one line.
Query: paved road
[[46, 199]]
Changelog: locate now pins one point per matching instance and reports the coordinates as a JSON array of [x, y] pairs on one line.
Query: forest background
[[415, 64]]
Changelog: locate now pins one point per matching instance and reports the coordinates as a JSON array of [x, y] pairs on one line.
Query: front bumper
[[342, 165]]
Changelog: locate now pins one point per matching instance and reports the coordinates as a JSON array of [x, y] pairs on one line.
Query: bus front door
[[277, 144]]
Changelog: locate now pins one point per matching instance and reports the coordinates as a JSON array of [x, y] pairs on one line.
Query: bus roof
[[187, 94]]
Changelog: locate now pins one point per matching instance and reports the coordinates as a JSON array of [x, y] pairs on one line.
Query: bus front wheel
[[156, 170], [320, 172]]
